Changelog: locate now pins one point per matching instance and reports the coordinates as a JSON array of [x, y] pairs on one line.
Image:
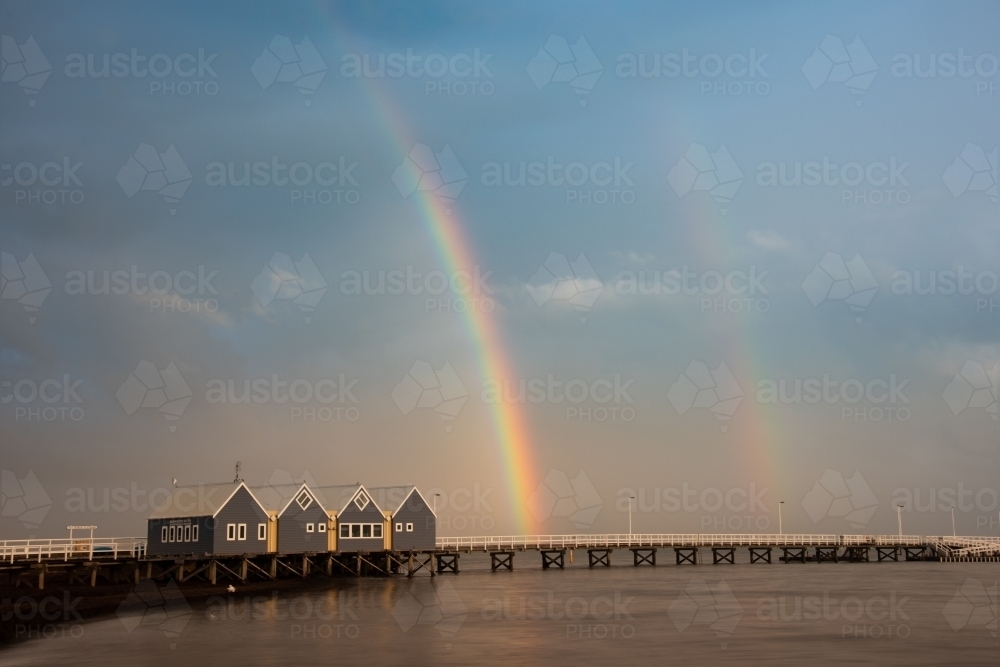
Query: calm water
[[859, 614]]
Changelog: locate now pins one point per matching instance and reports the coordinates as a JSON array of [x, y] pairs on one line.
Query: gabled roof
[[199, 500], [398, 495], [346, 494], [277, 497]]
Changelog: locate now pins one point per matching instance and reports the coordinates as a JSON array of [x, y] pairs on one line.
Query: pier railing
[[65, 549], [637, 540]]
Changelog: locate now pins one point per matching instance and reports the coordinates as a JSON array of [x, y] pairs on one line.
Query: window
[[304, 500], [187, 533], [261, 531], [361, 500], [230, 531], [310, 528], [163, 534], [321, 527], [173, 534], [409, 527], [194, 533], [399, 527], [242, 532], [369, 530]]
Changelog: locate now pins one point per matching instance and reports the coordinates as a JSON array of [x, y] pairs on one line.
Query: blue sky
[[926, 222]]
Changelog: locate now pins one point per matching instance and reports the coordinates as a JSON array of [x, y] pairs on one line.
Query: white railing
[[65, 549], [640, 540], [964, 545]]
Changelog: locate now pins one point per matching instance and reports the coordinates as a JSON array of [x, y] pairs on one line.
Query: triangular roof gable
[[242, 485], [417, 491], [361, 487], [411, 490], [298, 491]]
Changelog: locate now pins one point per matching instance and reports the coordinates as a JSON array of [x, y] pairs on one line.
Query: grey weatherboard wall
[[241, 508], [292, 535], [156, 547], [424, 534], [351, 514]]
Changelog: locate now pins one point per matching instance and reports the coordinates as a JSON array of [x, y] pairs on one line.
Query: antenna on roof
[[239, 465], [175, 481]]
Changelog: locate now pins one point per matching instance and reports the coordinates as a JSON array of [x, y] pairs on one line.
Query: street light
[[630, 499], [780, 529], [899, 518], [953, 521], [436, 496]]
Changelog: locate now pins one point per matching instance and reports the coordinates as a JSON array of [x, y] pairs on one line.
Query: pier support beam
[[794, 553], [645, 556], [887, 553], [447, 562], [760, 555], [553, 557], [502, 559], [686, 555], [723, 555], [599, 557], [856, 554], [826, 554], [915, 553]]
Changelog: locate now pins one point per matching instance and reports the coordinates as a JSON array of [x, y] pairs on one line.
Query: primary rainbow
[[456, 253]]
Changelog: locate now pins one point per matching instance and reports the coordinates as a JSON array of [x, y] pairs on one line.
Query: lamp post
[[780, 528], [630, 499], [436, 496], [953, 521], [899, 518]]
